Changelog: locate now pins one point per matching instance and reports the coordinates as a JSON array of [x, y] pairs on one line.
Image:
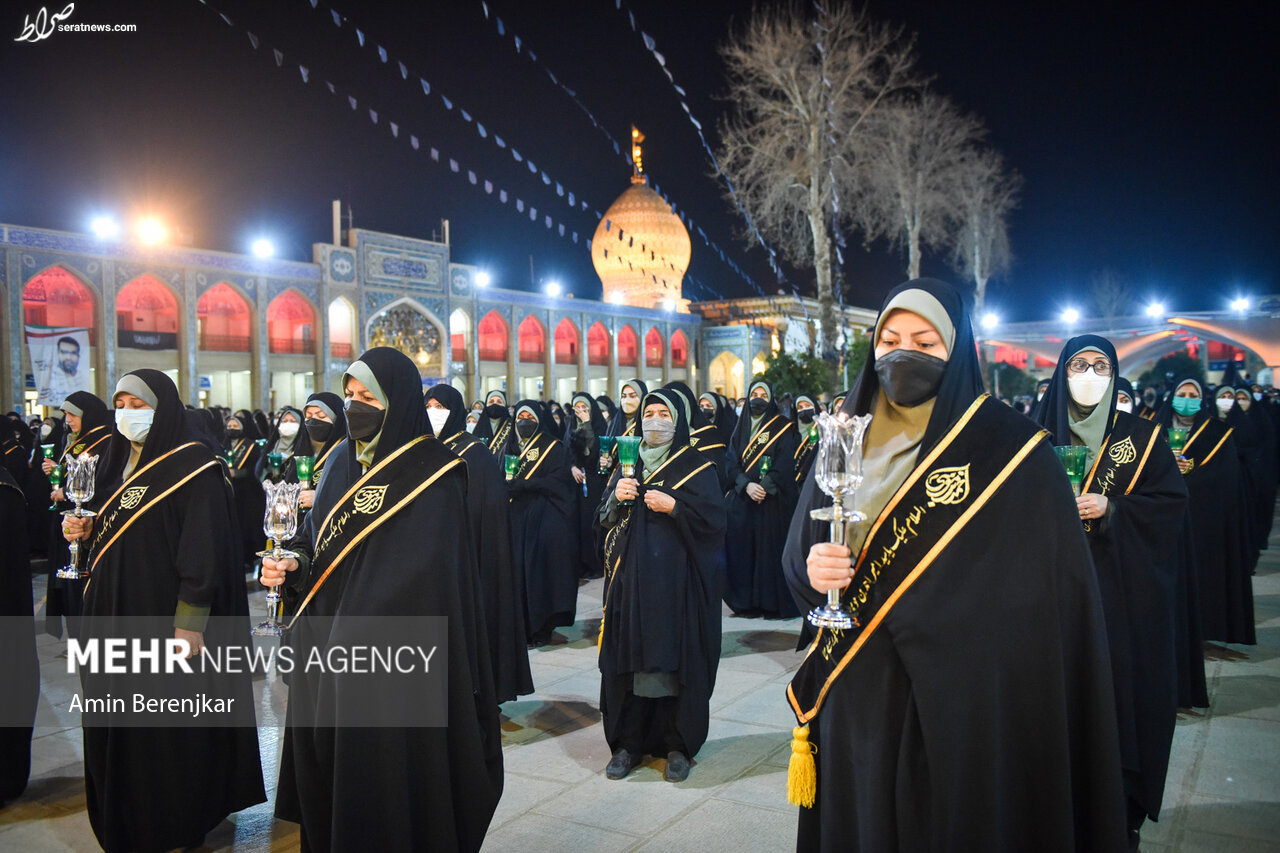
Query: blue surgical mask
[[1186, 406]]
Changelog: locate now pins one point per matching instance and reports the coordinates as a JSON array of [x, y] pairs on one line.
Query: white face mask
[[45, 429], [1126, 406], [288, 429], [134, 424], [471, 426], [1257, 395], [1225, 404], [1088, 388], [630, 404], [437, 418]]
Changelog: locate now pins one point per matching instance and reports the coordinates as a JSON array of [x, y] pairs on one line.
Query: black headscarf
[[406, 417], [451, 399], [1053, 413], [670, 398], [621, 420], [338, 431], [961, 381], [248, 425], [546, 423], [611, 411], [598, 425], [697, 420], [262, 422], [1124, 386], [95, 413], [1164, 416], [169, 427], [198, 426], [742, 432]]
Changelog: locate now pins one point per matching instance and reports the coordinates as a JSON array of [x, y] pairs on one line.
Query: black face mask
[[708, 411], [235, 433], [526, 428], [363, 421], [318, 430], [757, 406], [806, 415], [495, 411], [909, 377]]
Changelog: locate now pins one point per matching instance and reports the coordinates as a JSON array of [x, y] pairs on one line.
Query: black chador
[[19, 666], [625, 422], [495, 426], [159, 553], [721, 419], [704, 436], [288, 447], [584, 454], [93, 438], [251, 501], [1215, 486], [971, 706], [807, 438], [501, 583], [388, 538], [544, 523], [754, 584], [1137, 555], [660, 639]]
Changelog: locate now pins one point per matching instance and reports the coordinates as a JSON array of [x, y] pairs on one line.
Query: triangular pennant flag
[[453, 165], [517, 38], [413, 140], [533, 214], [333, 90], [485, 7], [471, 177], [516, 155], [532, 168], [502, 30], [632, 16], [313, 4], [435, 155], [480, 128], [395, 130], [337, 21], [520, 205], [404, 72], [662, 60], [382, 54], [502, 196], [351, 101], [253, 40], [225, 19], [448, 104], [559, 190], [561, 229], [682, 92], [426, 87], [571, 202], [546, 181], [499, 141], [575, 237], [360, 37], [488, 187], [466, 116], [279, 58], [533, 56], [306, 74], [548, 220]]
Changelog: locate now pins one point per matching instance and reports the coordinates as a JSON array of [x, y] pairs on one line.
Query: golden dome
[[641, 250]]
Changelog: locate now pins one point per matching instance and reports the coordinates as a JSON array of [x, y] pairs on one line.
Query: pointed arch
[[532, 338], [409, 326], [628, 346], [566, 342], [223, 319], [291, 324], [146, 315], [492, 332], [459, 334], [342, 324], [679, 349], [598, 345], [56, 296], [653, 348]]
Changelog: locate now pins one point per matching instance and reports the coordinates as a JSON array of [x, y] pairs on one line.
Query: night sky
[[1146, 133]]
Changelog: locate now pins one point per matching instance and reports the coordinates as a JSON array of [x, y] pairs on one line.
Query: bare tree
[[986, 192], [911, 165], [801, 91], [1111, 295]]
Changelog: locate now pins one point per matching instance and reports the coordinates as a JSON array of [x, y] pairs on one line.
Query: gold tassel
[[802, 773], [600, 636]]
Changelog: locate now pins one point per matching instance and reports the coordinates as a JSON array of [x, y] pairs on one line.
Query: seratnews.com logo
[[41, 25]]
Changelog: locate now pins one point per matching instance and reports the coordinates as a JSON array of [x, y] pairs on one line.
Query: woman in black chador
[[660, 639], [1132, 505], [807, 439], [251, 501], [588, 425], [89, 432], [494, 428], [760, 505], [544, 522], [970, 706], [164, 561], [387, 540], [1216, 487], [501, 584], [288, 439]]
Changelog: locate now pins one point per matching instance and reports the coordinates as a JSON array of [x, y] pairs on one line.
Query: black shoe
[[621, 764], [677, 767]]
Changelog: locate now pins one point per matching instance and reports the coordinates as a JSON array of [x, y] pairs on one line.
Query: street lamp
[[615, 298], [105, 228], [1240, 304], [151, 231], [553, 288], [990, 320], [1155, 309], [482, 279], [668, 304], [263, 248], [1070, 316]]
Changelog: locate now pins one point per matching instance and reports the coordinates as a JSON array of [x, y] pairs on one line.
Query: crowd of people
[[1011, 697]]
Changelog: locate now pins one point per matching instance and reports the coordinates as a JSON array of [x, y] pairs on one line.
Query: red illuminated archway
[[224, 322], [146, 315], [653, 347], [57, 298], [566, 342], [628, 345], [598, 345], [291, 324], [492, 333], [679, 349], [532, 340]]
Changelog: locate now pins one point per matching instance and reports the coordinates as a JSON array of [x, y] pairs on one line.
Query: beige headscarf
[[893, 439]]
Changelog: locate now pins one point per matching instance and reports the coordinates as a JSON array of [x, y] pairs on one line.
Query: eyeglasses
[[1079, 365]]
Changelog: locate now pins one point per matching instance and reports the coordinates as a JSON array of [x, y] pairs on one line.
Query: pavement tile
[[720, 826]]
